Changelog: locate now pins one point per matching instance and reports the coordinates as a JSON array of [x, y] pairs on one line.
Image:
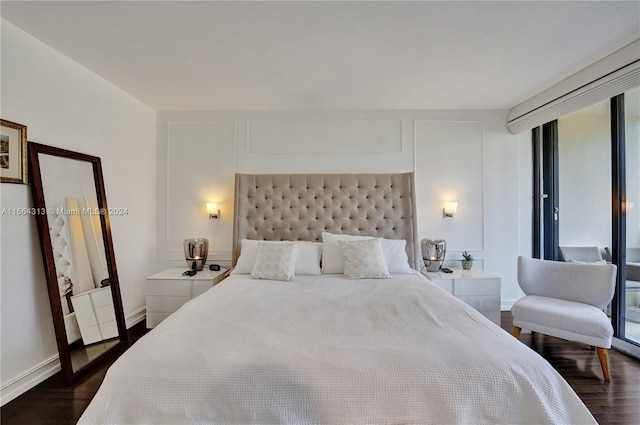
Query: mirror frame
[[49, 263]]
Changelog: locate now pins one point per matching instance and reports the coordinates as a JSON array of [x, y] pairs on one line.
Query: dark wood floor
[[51, 403], [617, 402]]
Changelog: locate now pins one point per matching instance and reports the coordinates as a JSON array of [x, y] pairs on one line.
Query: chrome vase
[[433, 252], [195, 252]]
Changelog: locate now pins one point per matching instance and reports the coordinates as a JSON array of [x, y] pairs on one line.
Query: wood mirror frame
[[95, 353]]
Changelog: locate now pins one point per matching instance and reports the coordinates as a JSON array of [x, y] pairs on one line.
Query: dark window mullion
[[618, 215], [537, 193], [550, 187]]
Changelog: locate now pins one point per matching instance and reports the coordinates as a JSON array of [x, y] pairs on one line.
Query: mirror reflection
[[77, 242]]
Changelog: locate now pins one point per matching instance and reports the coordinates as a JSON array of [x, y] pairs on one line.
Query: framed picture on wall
[[13, 152]]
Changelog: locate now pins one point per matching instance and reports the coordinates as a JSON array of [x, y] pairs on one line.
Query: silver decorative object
[[195, 252], [433, 252]]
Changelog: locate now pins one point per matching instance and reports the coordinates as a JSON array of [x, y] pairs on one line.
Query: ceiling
[[208, 55]]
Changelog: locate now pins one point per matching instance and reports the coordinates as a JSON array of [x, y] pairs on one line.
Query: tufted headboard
[[302, 206], [69, 246]]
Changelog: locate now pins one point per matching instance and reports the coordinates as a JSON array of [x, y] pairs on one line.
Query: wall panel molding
[[200, 168], [450, 167], [326, 137]]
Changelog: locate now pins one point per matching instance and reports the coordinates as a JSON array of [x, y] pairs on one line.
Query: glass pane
[[584, 183], [632, 137]]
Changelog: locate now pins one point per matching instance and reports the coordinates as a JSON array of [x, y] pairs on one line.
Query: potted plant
[[467, 261]]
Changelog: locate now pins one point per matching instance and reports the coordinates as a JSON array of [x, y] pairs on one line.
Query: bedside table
[[95, 315], [168, 290], [479, 289]]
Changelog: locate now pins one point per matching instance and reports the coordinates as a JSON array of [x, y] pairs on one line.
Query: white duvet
[[326, 350]]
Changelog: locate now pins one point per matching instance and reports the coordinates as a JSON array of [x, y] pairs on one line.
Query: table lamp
[[433, 252], [195, 252]]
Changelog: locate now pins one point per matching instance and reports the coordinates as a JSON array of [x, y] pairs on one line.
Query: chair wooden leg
[[603, 355], [516, 331]]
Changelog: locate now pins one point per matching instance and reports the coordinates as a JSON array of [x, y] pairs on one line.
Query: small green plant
[[467, 261]]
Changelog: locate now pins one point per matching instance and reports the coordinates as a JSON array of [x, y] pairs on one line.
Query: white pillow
[[395, 255], [275, 261], [333, 261], [308, 260], [364, 259]]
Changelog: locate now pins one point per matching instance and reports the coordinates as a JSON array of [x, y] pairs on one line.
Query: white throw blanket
[[326, 350]]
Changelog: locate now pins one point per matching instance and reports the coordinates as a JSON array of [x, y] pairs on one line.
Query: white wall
[[64, 105], [468, 156]]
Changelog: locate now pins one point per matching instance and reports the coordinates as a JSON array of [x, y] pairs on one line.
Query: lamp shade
[[213, 210], [450, 209]]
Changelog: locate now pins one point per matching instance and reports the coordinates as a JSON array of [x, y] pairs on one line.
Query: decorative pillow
[[332, 258], [364, 259], [275, 261], [307, 263], [333, 261]]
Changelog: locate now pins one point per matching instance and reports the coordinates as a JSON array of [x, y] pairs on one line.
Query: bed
[[382, 346]]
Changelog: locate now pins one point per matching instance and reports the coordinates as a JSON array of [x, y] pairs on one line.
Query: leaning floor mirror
[[71, 210]]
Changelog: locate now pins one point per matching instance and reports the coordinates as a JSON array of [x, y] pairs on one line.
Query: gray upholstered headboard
[[302, 206]]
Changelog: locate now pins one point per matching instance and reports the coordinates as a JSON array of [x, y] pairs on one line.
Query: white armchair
[[566, 300]]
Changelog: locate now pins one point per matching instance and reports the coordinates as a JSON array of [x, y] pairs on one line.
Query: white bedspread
[[323, 349]]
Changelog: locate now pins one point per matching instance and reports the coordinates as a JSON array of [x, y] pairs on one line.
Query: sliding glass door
[[589, 167]]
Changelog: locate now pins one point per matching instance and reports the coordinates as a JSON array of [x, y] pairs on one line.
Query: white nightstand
[[479, 289], [168, 290], [95, 315]]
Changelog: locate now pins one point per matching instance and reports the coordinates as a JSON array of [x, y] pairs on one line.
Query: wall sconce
[[212, 210], [449, 209]]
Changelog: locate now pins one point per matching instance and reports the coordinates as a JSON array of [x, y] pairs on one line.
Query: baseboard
[[39, 373], [136, 317], [505, 305], [29, 379]]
